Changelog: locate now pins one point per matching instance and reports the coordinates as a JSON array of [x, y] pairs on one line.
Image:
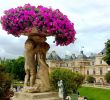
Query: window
[[100, 61], [92, 63], [101, 72], [93, 72], [87, 72], [66, 65]]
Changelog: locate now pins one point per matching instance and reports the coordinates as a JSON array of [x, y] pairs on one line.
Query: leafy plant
[[15, 67], [5, 83], [72, 81], [90, 79], [107, 77]]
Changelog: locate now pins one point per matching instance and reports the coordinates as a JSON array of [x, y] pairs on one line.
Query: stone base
[[36, 96]]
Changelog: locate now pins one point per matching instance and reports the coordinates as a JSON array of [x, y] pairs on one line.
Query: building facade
[[93, 65]]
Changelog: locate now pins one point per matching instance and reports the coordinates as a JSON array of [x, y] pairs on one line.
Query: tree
[[19, 68], [106, 57], [107, 77], [90, 79], [15, 67], [72, 81], [9, 66]]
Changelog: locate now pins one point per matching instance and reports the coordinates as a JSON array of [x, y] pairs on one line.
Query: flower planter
[[34, 32], [46, 22]]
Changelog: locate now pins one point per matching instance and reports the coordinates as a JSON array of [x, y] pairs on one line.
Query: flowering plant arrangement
[[46, 20]]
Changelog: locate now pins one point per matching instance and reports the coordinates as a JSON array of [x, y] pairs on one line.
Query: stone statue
[[36, 68], [60, 85], [43, 71], [30, 63]]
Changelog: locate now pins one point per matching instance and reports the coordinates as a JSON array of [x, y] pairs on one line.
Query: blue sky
[[91, 19]]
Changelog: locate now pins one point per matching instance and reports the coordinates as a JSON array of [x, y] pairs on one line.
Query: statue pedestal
[[36, 96]]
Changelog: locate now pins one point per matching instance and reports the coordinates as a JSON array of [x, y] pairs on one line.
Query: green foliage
[[90, 79], [19, 68], [107, 77], [5, 82], [106, 57], [72, 81], [15, 67]]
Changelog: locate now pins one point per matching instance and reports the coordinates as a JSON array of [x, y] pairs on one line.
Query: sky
[[91, 20]]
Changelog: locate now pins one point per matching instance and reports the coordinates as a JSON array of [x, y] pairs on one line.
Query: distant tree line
[[14, 67]]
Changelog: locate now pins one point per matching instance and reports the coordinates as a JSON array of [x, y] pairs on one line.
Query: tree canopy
[[15, 67], [106, 57], [107, 77]]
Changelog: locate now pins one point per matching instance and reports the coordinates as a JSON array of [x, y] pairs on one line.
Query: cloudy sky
[[91, 19]]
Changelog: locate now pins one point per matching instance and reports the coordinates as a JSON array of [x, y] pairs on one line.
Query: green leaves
[[90, 79], [107, 77], [106, 57], [72, 81]]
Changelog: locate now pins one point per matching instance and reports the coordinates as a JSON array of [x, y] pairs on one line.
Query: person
[[30, 62]]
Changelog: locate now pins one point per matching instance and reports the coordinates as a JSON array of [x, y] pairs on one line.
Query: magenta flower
[[45, 20]]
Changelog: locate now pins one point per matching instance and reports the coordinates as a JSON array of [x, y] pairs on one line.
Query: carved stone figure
[[60, 85], [43, 71], [36, 68], [30, 63]]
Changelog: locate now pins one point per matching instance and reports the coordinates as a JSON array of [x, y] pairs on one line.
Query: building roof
[[103, 51], [73, 56], [67, 57], [53, 56], [92, 56], [81, 55]]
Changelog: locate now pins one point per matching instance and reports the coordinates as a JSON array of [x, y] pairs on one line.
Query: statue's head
[[29, 44], [44, 47]]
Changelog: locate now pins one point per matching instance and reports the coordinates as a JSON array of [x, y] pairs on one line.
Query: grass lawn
[[95, 93]]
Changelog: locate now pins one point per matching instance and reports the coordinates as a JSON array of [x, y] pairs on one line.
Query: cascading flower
[[46, 20]]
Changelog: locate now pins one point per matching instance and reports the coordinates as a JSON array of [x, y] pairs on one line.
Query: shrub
[[5, 83], [107, 77], [71, 81], [90, 79]]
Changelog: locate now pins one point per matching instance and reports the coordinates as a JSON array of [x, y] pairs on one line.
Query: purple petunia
[[45, 20]]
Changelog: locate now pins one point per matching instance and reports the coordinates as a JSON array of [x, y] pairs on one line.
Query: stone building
[[93, 65]]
